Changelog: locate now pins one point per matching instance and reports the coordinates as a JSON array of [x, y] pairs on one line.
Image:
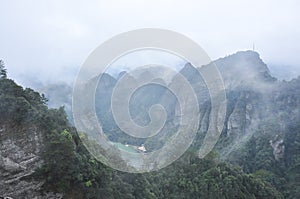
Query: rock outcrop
[[20, 149], [278, 148]]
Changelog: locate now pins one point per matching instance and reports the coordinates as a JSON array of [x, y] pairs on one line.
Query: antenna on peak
[[253, 47]]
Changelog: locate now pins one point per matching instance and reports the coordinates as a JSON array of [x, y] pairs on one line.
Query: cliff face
[[249, 86], [20, 157], [20, 149], [247, 83]]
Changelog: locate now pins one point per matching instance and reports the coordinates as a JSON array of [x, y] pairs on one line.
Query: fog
[[47, 41]]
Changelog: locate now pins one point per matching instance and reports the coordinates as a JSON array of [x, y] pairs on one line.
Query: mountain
[[245, 69], [42, 157], [257, 155]]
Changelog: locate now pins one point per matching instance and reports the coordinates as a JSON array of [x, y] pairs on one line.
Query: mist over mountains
[[249, 85], [257, 155], [243, 69]]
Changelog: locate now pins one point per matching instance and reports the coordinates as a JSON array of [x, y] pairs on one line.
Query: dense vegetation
[[68, 168]]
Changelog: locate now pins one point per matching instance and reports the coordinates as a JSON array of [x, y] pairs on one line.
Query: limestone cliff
[[20, 149]]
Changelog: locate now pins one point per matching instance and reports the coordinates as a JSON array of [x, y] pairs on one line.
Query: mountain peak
[[244, 68], [243, 59]]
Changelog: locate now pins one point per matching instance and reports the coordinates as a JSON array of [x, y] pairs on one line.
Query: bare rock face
[[20, 149], [278, 148], [243, 113]]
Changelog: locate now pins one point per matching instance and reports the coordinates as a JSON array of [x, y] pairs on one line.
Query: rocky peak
[[244, 69]]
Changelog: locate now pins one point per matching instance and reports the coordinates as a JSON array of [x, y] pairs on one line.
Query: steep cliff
[[19, 157]]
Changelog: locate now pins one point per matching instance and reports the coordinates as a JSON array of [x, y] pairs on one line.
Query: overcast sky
[[51, 39]]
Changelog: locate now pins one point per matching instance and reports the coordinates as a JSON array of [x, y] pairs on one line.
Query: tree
[[59, 157], [3, 73]]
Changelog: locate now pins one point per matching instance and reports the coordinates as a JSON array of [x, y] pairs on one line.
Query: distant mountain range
[[244, 74], [252, 100]]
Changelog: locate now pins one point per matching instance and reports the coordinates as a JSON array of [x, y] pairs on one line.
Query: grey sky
[[51, 39]]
